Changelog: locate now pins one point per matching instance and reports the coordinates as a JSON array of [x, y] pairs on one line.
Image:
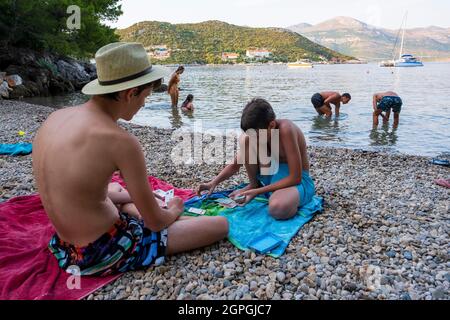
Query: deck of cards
[[198, 211], [240, 199], [227, 203], [166, 195]]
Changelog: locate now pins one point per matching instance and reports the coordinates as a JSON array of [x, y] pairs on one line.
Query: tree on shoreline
[[42, 25]]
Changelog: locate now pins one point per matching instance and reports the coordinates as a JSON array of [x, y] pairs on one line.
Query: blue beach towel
[[252, 221], [20, 149]]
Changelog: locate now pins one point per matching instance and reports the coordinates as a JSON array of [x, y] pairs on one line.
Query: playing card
[[197, 211]]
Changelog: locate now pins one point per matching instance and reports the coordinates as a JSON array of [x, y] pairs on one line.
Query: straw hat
[[122, 66]]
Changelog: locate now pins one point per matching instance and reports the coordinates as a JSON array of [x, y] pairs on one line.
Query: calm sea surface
[[221, 92]]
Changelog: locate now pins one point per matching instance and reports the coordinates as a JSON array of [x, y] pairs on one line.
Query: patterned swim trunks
[[127, 246], [395, 103]]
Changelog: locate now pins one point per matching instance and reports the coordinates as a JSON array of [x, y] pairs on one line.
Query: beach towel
[[252, 221], [28, 271], [19, 149]]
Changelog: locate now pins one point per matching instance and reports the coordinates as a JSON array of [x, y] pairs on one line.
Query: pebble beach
[[383, 234]]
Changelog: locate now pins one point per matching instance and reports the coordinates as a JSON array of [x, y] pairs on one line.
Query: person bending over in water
[[322, 102], [385, 102], [285, 176], [75, 154], [172, 88], [188, 104]]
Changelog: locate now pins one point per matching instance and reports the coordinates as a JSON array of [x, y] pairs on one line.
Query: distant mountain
[[300, 26], [205, 42], [353, 37]]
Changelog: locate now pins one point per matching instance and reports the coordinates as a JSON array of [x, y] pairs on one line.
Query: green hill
[[204, 42]]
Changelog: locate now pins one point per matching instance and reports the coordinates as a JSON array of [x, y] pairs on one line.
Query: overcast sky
[[284, 13]]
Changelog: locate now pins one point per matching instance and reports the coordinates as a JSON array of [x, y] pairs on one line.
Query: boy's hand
[[209, 187], [239, 192], [249, 196], [176, 205]]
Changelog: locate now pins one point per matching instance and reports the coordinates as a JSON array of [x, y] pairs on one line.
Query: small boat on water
[[387, 63], [407, 60], [404, 60], [300, 64]]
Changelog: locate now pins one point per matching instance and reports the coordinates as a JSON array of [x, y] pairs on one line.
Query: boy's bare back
[[73, 161]]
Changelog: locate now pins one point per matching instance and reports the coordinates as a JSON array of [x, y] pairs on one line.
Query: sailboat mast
[[403, 34]]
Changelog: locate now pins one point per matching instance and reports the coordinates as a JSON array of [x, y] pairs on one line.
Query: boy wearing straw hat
[[77, 150]]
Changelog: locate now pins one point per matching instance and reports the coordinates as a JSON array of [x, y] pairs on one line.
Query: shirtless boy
[[289, 187], [75, 154], [385, 102], [322, 102]]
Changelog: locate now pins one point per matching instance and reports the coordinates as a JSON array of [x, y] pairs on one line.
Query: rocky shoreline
[[384, 233], [27, 73]]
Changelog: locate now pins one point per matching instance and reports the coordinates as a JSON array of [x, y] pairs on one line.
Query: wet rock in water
[[161, 89]]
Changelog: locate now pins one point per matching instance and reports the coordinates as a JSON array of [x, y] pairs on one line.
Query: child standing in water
[[188, 104], [173, 86]]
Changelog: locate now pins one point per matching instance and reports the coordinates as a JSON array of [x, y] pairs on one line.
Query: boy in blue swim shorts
[[385, 102], [275, 157]]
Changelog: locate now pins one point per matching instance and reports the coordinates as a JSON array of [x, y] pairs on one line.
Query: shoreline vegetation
[[216, 42], [383, 233]]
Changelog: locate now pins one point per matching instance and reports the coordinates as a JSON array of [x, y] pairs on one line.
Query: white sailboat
[[404, 60]]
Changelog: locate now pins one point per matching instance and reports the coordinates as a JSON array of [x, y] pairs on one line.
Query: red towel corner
[[28, 271]]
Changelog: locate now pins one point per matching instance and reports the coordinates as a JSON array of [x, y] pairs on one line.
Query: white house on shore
[[159, 52], [255, 53], [230, 56]]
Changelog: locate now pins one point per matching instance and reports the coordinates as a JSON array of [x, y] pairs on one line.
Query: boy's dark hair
[[257, 114], [180, 68], [347, 95], [189, 98], [115, 95]]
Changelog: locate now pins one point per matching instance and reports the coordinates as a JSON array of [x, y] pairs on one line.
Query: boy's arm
[[289, 138], [338, 108], [375, 100], [229, 171], [130, 160]]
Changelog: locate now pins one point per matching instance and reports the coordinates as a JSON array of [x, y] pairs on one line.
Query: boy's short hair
[[115, 95], [257, 114], [347, 95]]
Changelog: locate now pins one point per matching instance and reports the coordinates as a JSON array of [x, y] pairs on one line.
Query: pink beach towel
[[28, 271]]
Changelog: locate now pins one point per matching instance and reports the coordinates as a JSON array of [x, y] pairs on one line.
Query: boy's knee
[[278, 210], [114, 187], [222, 226]]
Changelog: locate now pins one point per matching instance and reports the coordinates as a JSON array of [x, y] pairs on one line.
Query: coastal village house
[[255, 53], [159, 52], [230, 56]]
